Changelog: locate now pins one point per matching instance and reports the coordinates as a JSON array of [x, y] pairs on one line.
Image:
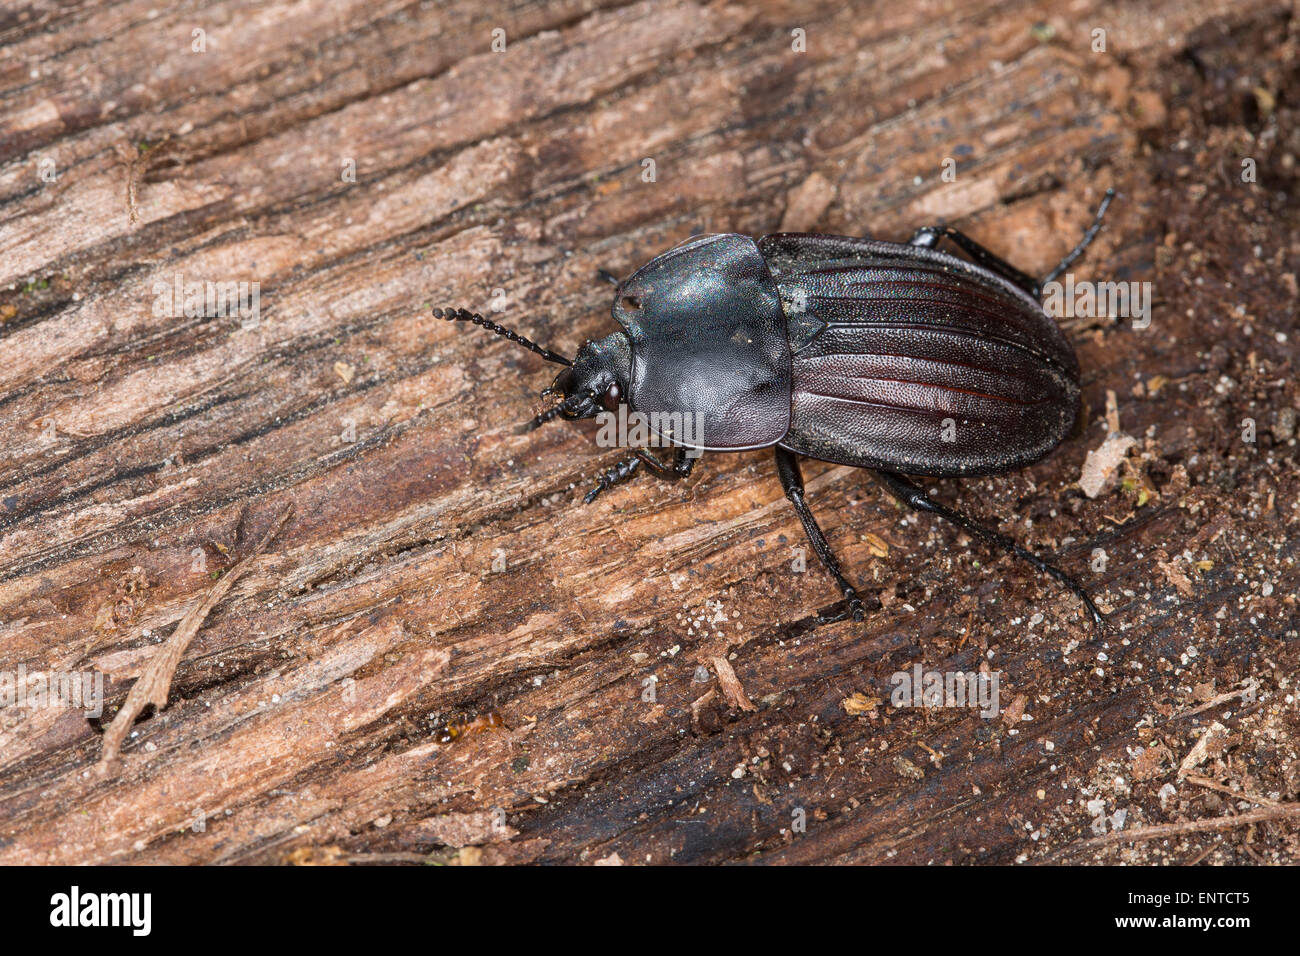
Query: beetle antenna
[[464, 315]]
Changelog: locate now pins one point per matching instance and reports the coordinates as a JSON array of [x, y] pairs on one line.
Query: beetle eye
[[612, 397], [631, 302]]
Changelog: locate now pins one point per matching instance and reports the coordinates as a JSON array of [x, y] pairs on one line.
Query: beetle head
[[596, 381]]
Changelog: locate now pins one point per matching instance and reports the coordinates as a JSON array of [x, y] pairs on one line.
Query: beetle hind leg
[[912, 496], [787, 466], [681, 468]]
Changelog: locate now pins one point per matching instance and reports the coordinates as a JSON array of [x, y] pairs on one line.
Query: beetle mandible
[[895, 357]]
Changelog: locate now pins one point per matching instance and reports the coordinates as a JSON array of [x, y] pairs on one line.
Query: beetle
[[895, 357]]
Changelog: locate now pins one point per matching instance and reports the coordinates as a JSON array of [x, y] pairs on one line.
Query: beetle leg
[[928, 237], [605, 275], [912, 496], [680, 468], [619, 473], [1086, 241], [787, 466]]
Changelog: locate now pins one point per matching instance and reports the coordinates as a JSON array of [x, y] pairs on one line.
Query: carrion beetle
[[895, 357]]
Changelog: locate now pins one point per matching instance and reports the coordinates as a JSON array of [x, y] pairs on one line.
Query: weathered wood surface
[[305, 714]]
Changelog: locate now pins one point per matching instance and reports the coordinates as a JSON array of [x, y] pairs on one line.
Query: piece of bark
[[730, 684], [154, 684]]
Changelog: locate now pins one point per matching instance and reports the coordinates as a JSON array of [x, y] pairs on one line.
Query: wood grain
[[441, 566]]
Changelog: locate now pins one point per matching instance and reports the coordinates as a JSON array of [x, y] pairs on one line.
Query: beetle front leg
[[912, 496], [616, 475], [787, 466], [683, 464], [680, 468]]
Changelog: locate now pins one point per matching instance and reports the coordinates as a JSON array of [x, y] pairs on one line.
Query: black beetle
[[890, 356]]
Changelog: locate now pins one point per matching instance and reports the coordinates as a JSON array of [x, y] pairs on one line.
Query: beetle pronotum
[[895, 357]]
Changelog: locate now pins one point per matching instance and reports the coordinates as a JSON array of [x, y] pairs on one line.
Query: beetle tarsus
[[604, 275], [619, 473], [857, 611], [787, 466], [682, 465], [537, 421], [912, 496]]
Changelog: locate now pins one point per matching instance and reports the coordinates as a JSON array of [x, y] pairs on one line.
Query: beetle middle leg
[[1086, 241], [787, 466], [912, 496], [927, 237], [680, 468]]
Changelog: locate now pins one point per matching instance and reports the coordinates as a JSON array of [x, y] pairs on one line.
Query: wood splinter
[[154, 684]]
